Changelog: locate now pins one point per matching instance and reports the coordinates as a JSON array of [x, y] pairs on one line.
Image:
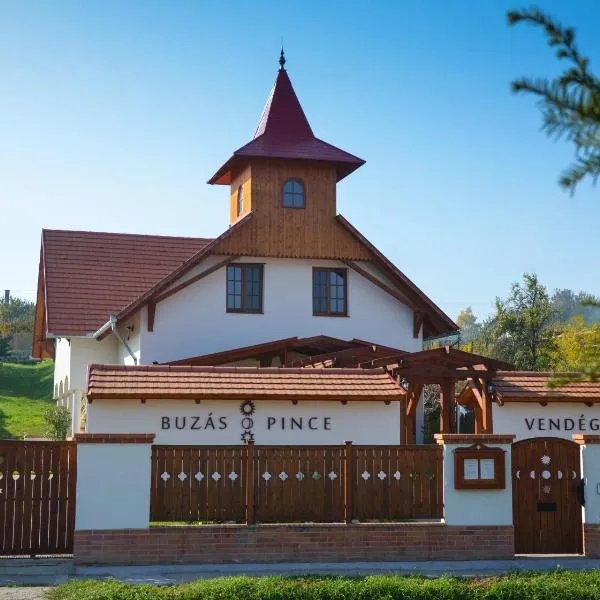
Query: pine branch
[[570, 103]]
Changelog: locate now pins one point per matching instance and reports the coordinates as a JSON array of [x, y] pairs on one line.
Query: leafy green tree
[[16, 316], [524, 332], [570, 103], [577, 347]]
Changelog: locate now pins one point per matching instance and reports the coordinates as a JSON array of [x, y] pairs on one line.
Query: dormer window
[[293, 194], [240, 200]]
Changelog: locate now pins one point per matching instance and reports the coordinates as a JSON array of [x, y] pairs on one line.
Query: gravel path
[[23, 593]]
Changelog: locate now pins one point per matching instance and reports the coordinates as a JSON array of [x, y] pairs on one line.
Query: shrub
[[58, 419]]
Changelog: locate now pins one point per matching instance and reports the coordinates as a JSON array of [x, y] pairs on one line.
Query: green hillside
[[25, 390]]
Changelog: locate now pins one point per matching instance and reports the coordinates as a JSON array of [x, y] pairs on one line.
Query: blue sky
[[113, 114]]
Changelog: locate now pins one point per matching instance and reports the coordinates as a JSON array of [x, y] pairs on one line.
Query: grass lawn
[[559, 585], [25, 390]]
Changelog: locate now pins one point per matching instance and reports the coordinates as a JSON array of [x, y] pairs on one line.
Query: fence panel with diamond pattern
[[299, 483], [295, 483], [397, 482], [198, 483]]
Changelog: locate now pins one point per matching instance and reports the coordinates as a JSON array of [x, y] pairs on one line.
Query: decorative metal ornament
[[247, 408], [247, 436], [247, 423]]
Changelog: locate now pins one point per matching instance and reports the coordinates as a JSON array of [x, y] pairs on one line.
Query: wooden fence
[[37, 497], [295, 483]]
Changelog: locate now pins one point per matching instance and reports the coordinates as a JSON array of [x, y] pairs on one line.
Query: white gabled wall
[[194, 321], [85, 351], [72, 357], [131, 332]]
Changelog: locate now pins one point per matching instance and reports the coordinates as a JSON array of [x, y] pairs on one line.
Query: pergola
[[412, 370]]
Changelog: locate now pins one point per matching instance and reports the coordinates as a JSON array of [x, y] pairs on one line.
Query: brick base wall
[[591, 540], [293, 543]]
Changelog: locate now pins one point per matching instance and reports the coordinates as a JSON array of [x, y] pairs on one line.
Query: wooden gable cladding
[[276, 231], [241, 179]]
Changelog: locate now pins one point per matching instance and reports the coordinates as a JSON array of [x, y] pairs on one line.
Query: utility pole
[[6, 296]]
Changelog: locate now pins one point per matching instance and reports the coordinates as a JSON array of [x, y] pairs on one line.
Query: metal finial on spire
[[282, 60]]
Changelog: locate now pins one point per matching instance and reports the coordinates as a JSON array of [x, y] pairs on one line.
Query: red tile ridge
[[246, 370]]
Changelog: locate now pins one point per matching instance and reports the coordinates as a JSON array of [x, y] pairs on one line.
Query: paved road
[[23, 593], [53, 572]]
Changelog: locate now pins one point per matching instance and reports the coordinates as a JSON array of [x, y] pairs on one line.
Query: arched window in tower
[[240, 200], [293, 194]]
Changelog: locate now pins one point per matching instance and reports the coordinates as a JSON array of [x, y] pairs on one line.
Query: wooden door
[[37, 497], [546, 482]]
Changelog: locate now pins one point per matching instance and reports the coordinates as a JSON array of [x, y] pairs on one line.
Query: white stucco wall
[[476, 507], [132, 338], [113, 486], [85, 351], [590, 469], [322, 422], [557, 419], [194, 321]]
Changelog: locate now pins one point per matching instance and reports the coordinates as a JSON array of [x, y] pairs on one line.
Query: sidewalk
[[46, 572]]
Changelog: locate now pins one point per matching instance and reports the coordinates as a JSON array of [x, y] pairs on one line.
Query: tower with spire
[[284, 150]]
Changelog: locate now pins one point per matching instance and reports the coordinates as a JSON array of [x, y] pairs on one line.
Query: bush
[[58, 419], [559, 585]]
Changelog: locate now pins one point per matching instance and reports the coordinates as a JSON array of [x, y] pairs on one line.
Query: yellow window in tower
[[240, 200]]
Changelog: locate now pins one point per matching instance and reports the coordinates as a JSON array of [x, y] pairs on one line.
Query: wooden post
[[478, 417], [487, 407], [447, 405], [348, 481], [249, 480]]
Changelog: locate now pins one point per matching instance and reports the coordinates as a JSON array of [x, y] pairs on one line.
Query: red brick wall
[[293, 543], [591, 540]]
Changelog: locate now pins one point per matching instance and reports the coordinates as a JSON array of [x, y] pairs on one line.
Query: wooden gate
[[37, 497], [546, 483]]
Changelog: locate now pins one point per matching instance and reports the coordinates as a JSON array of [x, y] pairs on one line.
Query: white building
[[287, 267]]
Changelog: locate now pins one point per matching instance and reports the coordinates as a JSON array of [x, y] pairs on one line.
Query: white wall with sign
[[557, 419], [218, 422]]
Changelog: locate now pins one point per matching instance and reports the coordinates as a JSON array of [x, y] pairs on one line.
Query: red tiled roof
[[91, 275], [284, 132], [235, 383], [515, 386]]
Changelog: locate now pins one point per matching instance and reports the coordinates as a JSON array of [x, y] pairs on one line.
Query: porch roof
[[530, 386], [240, 383]]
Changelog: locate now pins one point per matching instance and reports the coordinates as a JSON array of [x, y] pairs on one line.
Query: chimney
[[6, 296]]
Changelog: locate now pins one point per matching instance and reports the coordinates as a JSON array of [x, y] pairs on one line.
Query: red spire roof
[[284, 132]]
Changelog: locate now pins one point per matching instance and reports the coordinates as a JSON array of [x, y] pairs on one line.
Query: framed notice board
[[479, 467]]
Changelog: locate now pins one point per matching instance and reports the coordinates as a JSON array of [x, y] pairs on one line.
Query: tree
[[524, 335], [5, 347], [16, 316], [469, 327], [570, 103], [577, 347], [566, 305]]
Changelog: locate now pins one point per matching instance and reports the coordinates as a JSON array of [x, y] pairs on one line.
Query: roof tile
[[235, 383], [91, 275]]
